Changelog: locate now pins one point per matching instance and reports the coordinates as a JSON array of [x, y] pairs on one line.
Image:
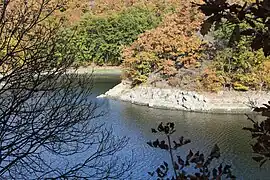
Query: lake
[[204, 130]]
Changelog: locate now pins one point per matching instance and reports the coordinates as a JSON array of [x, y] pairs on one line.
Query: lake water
[[204, 130]]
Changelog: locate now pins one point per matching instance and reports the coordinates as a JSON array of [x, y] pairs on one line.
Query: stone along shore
[[176, 99]]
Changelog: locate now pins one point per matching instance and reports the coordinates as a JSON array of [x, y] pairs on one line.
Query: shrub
[[210, 80], [239, 87], [101, 38], [248, 69], [140, 66], [237, 66], [175, 39]]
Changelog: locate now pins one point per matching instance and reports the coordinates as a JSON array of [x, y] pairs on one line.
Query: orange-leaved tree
[[174, 41]]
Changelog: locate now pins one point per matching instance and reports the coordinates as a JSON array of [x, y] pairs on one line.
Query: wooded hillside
[[161, 41]]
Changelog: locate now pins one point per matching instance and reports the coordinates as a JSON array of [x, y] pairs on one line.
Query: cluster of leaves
[[100, 39], [210, 80], [255, 14], [261, 133], [236, 65], [180, 166], [74, 10], [108, 6], [239, 69], [243, 67], [160, 49]]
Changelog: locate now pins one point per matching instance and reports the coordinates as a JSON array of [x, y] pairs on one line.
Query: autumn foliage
[[175, 40], [174, 51], [107, 6], [74, 9]]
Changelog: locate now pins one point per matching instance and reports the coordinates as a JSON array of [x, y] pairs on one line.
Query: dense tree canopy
[[173, 41]]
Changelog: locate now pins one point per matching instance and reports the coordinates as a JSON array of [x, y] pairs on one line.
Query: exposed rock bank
[[176, 99]]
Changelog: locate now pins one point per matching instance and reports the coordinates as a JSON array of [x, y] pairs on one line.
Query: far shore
[[97, 70]]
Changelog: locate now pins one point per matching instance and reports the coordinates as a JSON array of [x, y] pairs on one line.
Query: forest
[[161, 41]]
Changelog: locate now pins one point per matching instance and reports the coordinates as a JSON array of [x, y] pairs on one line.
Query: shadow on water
[[204, 130]]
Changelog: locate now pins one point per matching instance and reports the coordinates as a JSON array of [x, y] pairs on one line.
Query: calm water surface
[[204, 130]]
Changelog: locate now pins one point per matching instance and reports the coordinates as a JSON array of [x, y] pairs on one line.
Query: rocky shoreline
[[176, 99]]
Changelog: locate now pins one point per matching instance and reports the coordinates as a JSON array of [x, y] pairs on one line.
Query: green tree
[[100, 39]]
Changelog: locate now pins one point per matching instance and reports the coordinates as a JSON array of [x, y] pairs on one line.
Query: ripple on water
[[204, 130]]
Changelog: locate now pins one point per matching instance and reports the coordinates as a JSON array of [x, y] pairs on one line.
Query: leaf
[[150, 143], [235, 8], [226, 169], [266, 113], [201, 157], [251, 23], [206, 26], [247, 129], [215, 153], [162, 167], [217, 25], [248, 32], [195, 158], [156, 143], [171, 125], [241, 14], [166, 129], [257, 147], [255, 135], [267, 106], [166, 164], [151, 173], [160, 127], [173, 131], [263, 162], [161, 173], [180, 161], [266, 46], [181, 139], [258, 158], [189, 155], [257, 43], [163, 145], [187, 141], [154, 130], [258, 109], [235, 37], [187, 163]]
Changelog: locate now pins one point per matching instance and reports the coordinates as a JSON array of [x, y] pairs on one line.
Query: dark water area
[[204, 130]]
